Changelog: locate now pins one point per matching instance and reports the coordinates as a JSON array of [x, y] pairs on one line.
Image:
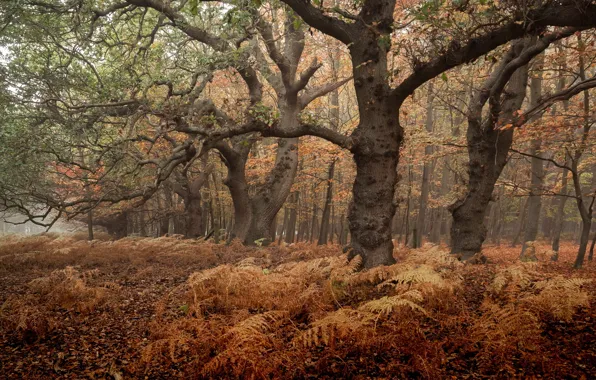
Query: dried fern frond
[[433, 256], [559, 297], [505, 325], [341, 273], [245, 343], [516, 277], [386, 305], [422, 274], [313, 269], [173, 340], [68, 288], [257, 324], [336, 325]]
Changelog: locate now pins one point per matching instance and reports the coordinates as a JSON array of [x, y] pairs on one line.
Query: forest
[[297, 189]]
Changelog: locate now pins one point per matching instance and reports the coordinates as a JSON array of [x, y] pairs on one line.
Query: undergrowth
[[300, 311]]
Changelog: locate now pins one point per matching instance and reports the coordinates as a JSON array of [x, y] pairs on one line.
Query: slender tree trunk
[[426, 172], [283, 226], [537, 170], [291, 227], [324, 234], [523, 211], [591, 255], [408, 203], [585, 210], [560, 216], [583, 242], [90, 225]]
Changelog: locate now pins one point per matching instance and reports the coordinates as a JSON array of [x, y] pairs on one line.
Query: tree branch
[[316, 92], [574, 13], [318, 19], [558, 97]]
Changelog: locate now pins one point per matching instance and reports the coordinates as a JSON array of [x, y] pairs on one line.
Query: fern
[[386, 305], [559, 297], [515, 278], [423, 274], [336, 325], [245, 343]]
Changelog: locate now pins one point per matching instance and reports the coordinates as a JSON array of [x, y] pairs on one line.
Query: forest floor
[[168, 308]]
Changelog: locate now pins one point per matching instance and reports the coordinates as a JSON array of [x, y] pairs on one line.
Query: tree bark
[[523, 212], [537, 170], [585, 209], [426, 172], [291, 227], [488, 148], [325, 218], [560, 217]]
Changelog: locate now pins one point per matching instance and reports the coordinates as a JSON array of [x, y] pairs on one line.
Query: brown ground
[[128, 310]]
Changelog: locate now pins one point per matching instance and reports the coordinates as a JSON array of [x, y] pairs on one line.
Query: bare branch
[[316, 92]]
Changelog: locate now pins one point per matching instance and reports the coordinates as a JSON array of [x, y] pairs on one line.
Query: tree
[[376, 141]]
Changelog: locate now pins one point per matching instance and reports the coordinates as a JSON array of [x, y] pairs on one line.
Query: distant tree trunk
[[283, 226], [435, 231], [591, 255], [189, 189], [497, 220], [117, 225], [584, 204], [523, 208], [560, 216], [547, 219], [426, 172], [90, 225], [142, 223], [163, 217], [324, 233], [313, 224], [302, 230], [407, 211], [291, 227], [537, 171]]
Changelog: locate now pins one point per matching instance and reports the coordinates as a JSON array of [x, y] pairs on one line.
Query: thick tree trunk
[[371, 211], [117, 225], [194, 216], [487, 151], [236, 183], [488, 148], [324, 233], [272, 195]]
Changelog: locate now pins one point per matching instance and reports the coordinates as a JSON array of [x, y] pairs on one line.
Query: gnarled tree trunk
[[488, 148]]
